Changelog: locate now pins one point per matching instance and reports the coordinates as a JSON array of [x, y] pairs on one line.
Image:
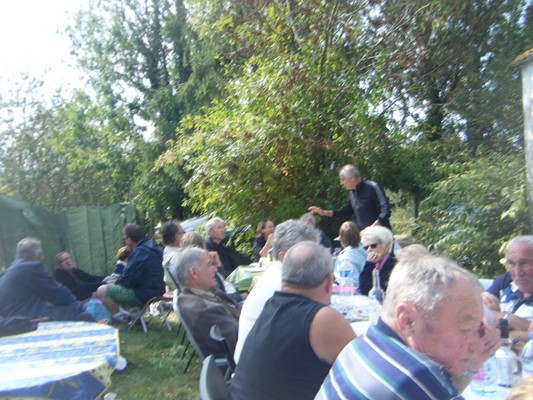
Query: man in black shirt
[[367, 203]]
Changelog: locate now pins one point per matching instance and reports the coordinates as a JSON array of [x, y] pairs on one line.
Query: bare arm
[[329, 333], [319, 211]]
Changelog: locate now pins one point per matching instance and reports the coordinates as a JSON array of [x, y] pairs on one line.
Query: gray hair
[[308, 218], [29, 248], [526, 239], [350, 171], [188, 258], [379, 233], [290, 232], [422, 279], [209, 224], [306, 265]]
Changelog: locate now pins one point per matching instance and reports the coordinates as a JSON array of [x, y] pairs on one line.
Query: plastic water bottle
[[526, 357], [345, 278], [485, 382]]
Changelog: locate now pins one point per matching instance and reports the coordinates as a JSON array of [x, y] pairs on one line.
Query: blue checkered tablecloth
[[60, 360]]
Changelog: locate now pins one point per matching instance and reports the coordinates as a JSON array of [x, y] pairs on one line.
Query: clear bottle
[[375, 296], [345, 278], [485, 382], [506, 359], [526, 357]]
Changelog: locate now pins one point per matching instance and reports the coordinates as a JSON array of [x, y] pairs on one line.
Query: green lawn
[[160, 373]]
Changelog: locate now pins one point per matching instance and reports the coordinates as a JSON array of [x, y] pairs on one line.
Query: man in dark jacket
[[367, 203], [80, 283], [27, 290], [141, 280]]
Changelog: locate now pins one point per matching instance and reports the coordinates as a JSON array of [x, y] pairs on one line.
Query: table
[[60, 360], [242, 277]]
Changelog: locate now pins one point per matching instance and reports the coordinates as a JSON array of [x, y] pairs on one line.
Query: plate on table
[[255, 267], [354, 308]]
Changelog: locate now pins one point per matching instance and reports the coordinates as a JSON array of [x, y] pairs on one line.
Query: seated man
[[284, 237], [171, 233], [80, 283], [201, 305], [230, 258], [511, 294], [293, 343], [141, 280], [431, 338], [27, 290]]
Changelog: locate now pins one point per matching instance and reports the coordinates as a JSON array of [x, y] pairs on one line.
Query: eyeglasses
[[371, 246]]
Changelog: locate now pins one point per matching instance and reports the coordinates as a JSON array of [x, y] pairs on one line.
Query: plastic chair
[[212, 384], [217, 336]]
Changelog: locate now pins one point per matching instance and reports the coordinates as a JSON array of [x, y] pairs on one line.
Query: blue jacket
[[144, 272], [25, 289]]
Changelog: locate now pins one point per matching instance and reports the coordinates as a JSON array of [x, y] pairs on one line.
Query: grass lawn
[[160, 372]]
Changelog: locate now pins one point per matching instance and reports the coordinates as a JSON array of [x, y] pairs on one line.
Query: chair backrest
[[212, 384], [186, 328], [167, 268], [217, 336]]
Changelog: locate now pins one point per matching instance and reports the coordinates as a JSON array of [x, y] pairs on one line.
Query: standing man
[[27, 290], [142, 279], [511, 294], [171, 233], [367, 203]]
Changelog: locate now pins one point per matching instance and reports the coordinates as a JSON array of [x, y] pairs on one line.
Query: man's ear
[[405, 315], [328, 283]]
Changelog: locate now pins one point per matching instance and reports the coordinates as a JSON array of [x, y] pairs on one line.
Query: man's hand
[[490, 301]]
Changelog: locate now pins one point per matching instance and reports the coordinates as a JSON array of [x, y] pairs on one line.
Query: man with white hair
[[433, 335], [511, 294], [285, 235], [201, 305], [229, 257], [297, 336], [367, 203]]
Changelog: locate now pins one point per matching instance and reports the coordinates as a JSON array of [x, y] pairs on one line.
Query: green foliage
[[471, 214]]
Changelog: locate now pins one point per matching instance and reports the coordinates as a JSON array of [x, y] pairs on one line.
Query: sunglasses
[[371, 246]]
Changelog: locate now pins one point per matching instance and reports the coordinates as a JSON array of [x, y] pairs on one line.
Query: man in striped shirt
[[431, 338]]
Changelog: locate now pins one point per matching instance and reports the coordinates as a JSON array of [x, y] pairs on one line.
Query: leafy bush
[[471, 214]]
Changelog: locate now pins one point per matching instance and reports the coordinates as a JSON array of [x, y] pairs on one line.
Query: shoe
[[121, 317]]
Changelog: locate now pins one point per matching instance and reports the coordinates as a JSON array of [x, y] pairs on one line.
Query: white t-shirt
[[263, 290]]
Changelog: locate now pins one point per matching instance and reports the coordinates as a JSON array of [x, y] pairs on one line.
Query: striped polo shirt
[[380, 366]]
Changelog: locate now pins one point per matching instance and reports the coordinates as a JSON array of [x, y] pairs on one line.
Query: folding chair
[[216, 335], [212, 384], [138, 314]]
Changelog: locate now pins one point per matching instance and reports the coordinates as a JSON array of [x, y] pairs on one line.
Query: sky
[[30, 42]]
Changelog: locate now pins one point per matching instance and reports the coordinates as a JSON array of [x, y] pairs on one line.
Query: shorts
[[123, 296]]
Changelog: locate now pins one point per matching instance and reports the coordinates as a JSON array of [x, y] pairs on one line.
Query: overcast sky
[[31, 41]]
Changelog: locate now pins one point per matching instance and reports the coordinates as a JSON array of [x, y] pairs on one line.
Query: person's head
[[192, 239], [216, 229], [306, 265], [132, 235], [63, 261], [290, 232], [349, 234], [195, 270], [309, 219], [29, 249], [349, 177], [123, 253], [519, 261], [171, 233], [377, 239], [435, 307], [264, 229]]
